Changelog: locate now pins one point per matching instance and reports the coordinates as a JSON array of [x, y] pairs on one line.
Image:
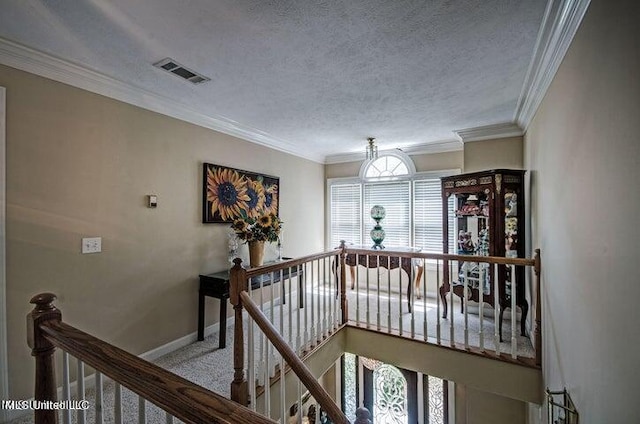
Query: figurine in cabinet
[[488, 221]]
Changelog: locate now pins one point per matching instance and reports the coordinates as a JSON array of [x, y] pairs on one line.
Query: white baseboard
[[174, 345]]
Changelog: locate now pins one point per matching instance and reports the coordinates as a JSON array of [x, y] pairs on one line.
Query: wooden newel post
[[43, 350], [238, 283], [343, 282], [538, 332]]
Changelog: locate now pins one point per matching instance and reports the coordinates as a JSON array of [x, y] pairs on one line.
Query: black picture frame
[[230, 193]]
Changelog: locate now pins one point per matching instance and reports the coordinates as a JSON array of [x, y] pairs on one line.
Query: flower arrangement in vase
[[255, 231]]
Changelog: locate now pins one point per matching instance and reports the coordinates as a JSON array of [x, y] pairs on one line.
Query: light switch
[[92, 245]]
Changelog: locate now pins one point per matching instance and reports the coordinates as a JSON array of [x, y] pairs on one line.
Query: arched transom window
[[388, 165]]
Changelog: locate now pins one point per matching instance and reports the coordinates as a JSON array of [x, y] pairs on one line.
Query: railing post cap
[[362, 416], [43, 301]]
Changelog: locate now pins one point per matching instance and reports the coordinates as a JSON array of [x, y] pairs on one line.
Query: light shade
[[372, 149]]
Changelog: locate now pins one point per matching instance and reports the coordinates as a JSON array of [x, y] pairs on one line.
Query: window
[[389, 395], [386, 166], [412, 202], [393, 395]]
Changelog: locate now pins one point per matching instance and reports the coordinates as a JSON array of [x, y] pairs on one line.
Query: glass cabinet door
[[473, 237], [510, 224]]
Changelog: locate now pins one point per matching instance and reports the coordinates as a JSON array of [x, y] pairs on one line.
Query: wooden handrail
[[265, 269], [181, 398], [444, 256], [296, 364]]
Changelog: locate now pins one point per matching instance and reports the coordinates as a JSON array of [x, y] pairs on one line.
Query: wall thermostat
[[152, 200]]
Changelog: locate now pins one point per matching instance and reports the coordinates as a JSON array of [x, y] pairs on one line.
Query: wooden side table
[[372, 260], [217, 285]]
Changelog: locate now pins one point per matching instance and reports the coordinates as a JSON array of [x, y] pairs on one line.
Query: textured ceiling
[[318, 77]]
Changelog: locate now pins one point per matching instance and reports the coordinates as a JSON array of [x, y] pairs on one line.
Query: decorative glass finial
[[377, 234]]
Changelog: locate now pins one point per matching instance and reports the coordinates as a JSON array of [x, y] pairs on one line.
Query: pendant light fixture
[[372, 149]]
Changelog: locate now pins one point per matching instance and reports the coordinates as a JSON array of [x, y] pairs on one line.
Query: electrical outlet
[[92, 245]]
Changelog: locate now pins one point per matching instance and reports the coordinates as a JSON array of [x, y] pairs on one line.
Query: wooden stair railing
[[241, 299], [292, 359], [177, 396]]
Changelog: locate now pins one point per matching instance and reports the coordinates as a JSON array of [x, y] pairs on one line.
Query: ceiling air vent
[[177, 69]]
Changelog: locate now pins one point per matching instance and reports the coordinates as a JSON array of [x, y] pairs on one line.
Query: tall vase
[[256, 253]]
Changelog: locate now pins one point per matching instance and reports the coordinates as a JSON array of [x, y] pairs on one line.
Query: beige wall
[[583, 151], [79, 165], [477, 407], [493, 154]]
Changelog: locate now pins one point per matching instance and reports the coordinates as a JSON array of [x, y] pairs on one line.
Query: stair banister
[[292, 359], [178, 397]]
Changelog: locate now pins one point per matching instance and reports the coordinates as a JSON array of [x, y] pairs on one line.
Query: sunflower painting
[[229, 194]]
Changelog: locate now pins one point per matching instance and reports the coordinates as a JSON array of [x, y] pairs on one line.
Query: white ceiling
[[314, 78]]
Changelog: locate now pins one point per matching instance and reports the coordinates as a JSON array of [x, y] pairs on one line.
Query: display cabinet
[[488, 220]]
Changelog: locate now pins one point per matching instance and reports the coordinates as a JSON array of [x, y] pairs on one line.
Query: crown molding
[[489, 132], [421, 149], [559, 25], [33, 61]]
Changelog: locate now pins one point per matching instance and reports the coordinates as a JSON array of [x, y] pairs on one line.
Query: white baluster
[[99, 399], [357, 283], [250, 334], [451, 312], [283, 398], [465, 303], [389, 296], [496, 310], [400, 315], [81, 415], [378, 290], [314, 276], [282, 296], [324, 300], [368, 291], [306, 343], [272, 312], [481, 267], [299, 401], [290, 309], [337, 296], [438, 317], [298, 347], [251, 363], [66, 389], [267, 382], [117, 404], [424, 297], [412, 298], [514, 337], [332, 301], [142, 410]]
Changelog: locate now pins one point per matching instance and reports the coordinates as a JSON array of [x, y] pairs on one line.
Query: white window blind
[[346, 214], [427, 215], [395, 197]]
